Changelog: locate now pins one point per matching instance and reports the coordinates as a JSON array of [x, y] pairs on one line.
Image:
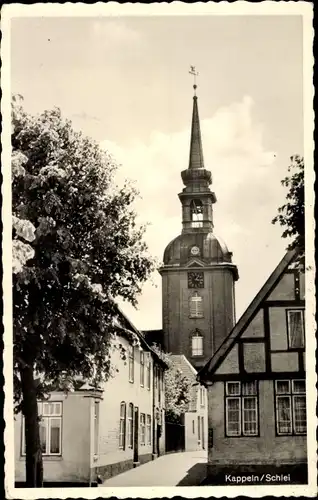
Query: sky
[[125, 82]]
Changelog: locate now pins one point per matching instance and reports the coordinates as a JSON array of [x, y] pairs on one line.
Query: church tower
[[198, 276]]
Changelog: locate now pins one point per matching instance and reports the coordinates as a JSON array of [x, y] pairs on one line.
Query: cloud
[[246, 180], [110, 32]]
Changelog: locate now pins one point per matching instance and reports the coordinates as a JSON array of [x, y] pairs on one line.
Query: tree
[[87, 250], [291, 215], [177, 388]]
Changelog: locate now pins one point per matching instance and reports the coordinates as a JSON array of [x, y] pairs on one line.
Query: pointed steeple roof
[[196, 152]]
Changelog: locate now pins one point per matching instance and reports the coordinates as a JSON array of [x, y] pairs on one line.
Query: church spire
[[196, 152]]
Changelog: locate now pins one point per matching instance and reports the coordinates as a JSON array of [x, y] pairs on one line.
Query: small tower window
[[196, 306], [196, 210], [197, 344]]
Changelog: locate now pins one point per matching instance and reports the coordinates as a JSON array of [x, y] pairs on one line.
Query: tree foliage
[[76, 248], [291, 215], [177, 388]]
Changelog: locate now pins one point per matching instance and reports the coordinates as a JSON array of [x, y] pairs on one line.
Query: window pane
[[47, 409], [299, 386], [196, 306], [233, 388], [197, 345], [249, 416], [295, 329], [233, 416], [43, 439], [55, 424], [300, 414], [122, 410], [282, 386], [249, 388], [283, 415], [57, 409]]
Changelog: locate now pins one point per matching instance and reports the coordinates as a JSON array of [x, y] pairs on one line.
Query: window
[[96, 427], [148, 371], [142, 368], [155, 371], [196, 211], [50, 414], [131, 363], [130, 425], [142, 428], [201, 396], [193, 427], [290, 406], [196, 306], [148, 429], [241, 409], [122, 425], [159, 385], [295, 325], [197, 344]]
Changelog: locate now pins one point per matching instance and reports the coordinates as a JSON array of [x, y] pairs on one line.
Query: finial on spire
[[195, 74]]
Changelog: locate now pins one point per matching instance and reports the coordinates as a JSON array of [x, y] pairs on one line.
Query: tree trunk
[[33, 459]]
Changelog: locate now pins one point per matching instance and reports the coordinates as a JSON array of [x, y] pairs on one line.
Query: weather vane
[[195, 74]]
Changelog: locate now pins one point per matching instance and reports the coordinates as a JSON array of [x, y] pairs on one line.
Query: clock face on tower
[[196, 279], [195, 250]]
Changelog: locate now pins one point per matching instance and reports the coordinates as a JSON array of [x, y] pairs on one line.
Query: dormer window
[[196, 211]]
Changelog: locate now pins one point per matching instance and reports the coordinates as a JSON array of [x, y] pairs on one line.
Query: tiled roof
[[153, 337], [190, 372]]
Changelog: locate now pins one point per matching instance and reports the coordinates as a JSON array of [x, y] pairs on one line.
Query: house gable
[[260, 345]]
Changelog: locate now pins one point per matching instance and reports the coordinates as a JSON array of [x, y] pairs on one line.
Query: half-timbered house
[[256, 386]]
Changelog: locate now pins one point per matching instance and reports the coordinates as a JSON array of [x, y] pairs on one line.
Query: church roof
[[196, 152], [219, 356]]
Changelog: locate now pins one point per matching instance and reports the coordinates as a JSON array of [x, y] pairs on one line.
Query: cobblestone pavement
[[176, 469]]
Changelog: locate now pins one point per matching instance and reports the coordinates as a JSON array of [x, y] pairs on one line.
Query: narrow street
[[175, 469]]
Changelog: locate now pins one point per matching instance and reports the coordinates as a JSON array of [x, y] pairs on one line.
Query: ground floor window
[[290, 397], [130, 424], [142, 429], [122, 424], [148, 429], [50, 414], [241, 408]]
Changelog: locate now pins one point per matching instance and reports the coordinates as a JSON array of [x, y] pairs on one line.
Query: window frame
[[197, 335], [241, 397], [130, 423], [202, 397], [131, 364], [196, 302], [288, 323], [122, 422], [148, 371], [142, 422], [142, 368], [291, 394], [148, 430], [47, 419]]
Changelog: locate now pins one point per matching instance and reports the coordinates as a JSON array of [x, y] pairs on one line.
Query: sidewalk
[[176, 469]]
